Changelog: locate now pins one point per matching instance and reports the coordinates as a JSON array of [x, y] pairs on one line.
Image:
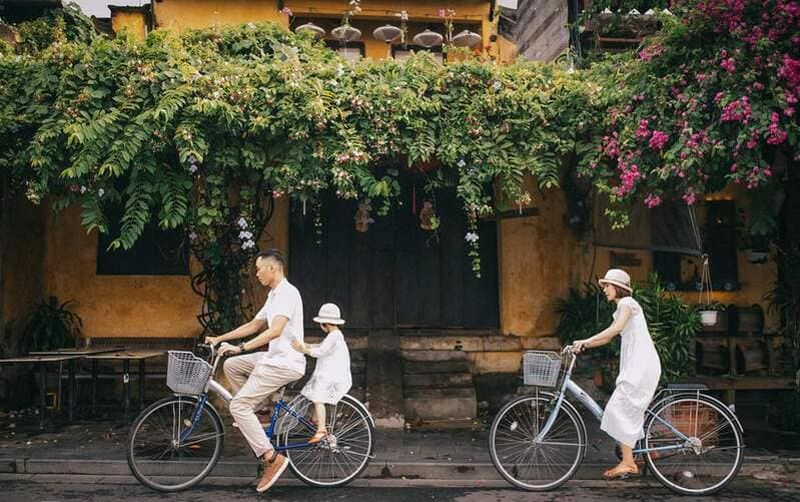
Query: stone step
[[434, 355], [437, 380], [440, 404], [413, 367]]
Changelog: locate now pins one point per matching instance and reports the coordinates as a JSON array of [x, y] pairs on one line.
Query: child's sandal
[[318, 436]]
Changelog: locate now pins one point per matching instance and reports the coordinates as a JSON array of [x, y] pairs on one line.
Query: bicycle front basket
[[540, 368], [187, 373]]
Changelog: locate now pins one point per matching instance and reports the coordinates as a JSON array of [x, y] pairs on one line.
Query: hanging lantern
[[427, 217], [362, 217], [428, 38], [387, 33], [346, 33], [466, 39], [312, 28]]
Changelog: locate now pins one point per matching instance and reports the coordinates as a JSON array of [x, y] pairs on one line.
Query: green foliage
[[51, 325], [584, 313], [203, 128], [784, 298], [784, 411], [672, 324]]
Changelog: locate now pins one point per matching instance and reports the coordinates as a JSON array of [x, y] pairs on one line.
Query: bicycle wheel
[[531, 465], [343, 456], [709, 460], [165, 453]]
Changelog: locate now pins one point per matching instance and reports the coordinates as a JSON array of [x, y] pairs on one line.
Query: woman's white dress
[[331, 379], [639, 373]]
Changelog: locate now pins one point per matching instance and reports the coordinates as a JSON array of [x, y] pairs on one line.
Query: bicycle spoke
[[711, 458]]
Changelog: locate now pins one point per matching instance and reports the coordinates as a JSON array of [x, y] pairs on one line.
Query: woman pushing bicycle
[[639, 370]]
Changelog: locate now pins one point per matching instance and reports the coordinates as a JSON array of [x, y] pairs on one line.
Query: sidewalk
[[98, 449]]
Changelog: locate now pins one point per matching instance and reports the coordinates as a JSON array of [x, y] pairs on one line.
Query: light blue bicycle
[[176, 442], [692, 442]]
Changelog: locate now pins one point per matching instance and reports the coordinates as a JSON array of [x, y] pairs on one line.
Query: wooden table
[[73, 391], [126, 356], [41, 362]]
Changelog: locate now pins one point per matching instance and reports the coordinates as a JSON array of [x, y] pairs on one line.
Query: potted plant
[[709, 313], [51, 325]]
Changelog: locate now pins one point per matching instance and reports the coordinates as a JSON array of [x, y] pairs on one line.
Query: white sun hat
[[617, 277], [329, 314]]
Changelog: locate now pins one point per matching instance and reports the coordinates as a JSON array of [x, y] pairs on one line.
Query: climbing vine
[[203, 130]]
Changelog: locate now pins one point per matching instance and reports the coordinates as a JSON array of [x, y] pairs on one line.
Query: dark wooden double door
[[395, 275]]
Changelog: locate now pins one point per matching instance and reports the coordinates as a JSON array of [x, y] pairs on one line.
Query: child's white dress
[[639, 373], [331, 379]]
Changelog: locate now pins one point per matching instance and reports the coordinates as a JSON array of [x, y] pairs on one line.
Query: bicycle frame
[[569, 387], [221, 391]]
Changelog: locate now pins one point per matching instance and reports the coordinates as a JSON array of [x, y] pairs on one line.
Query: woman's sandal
[[621, 472], [318, 436]]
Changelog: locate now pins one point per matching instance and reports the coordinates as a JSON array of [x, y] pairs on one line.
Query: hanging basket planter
[[311, 28], [387, 33], [709, 317], [428, 38], [425, 166], [756, 256], [466, 39], [346, 33]]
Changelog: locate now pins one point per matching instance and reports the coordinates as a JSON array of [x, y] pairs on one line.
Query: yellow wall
[[177, 14], [134, 22], [111, 306]]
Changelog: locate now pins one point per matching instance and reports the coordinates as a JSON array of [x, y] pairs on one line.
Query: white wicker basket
[[540, 368], [187, 373]]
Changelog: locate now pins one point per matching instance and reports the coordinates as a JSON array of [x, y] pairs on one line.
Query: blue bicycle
[[176, 442]]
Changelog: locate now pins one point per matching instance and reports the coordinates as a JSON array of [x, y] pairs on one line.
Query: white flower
[[192, 236], [101, 192], [192, 168], [242, 223], [245, 235], [497, 85], [83, 189], [248, 244], [471, 237], [461, 163]]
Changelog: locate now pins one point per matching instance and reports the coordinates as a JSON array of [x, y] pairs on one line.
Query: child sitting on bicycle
[[331, 379]]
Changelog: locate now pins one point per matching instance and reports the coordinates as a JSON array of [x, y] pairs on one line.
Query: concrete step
[[413, 367], [439, 404], [437, 380]]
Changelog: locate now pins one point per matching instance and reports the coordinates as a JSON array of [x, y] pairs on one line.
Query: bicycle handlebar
[[211, 348]]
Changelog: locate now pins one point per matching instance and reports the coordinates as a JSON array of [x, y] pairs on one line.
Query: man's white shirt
[[284, 300]]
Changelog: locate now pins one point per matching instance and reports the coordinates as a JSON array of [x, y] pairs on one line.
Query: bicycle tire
[[689, 473], [508, 469], [155, 476], [360, 419]]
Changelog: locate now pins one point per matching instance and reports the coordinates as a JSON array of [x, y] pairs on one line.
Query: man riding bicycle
[[254, 377]]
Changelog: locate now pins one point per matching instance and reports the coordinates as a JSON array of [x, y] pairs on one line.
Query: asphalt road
[[57, 488]]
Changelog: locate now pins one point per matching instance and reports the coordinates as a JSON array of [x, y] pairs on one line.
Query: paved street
[[56, 488]]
